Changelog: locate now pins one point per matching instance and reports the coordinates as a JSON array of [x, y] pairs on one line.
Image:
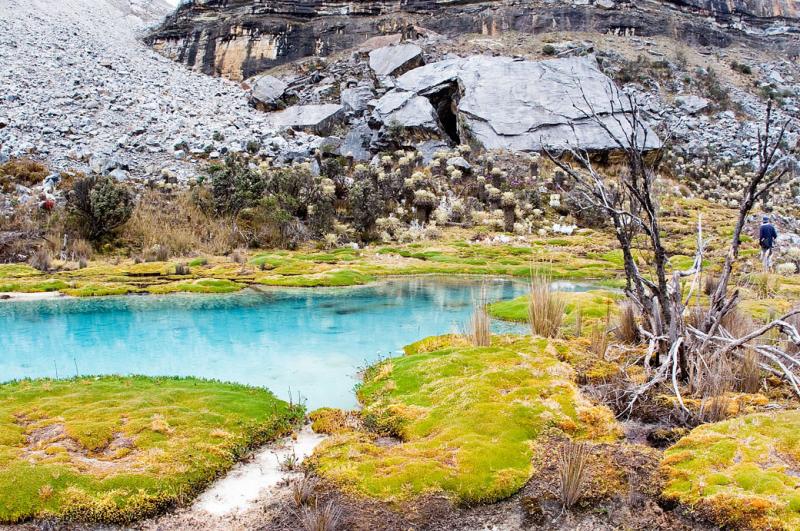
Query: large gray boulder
[[267, 92], [407, 110], [395, 60], [506, 103], [355, 99], [317, 119]]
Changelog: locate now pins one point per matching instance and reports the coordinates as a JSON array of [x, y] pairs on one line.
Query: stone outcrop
[[395, 60], [504, 103], [317, 119], [241, 38], [267, 92]]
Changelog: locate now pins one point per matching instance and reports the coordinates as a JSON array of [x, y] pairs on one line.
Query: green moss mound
[[116, 449], [594, 305], [448, 417], [742, 473]]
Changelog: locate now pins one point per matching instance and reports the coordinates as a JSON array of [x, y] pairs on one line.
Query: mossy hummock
[[116, 449], [742, 473], [461, 420]]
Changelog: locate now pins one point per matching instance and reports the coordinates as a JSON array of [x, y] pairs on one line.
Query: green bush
[[98, 206]]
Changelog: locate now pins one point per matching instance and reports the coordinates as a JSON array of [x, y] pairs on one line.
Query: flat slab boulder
[[267, 92], [317, 119], [408, 110], [395, 60], [507, 103]]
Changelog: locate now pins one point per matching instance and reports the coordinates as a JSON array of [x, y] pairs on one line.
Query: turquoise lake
[[312, 341]]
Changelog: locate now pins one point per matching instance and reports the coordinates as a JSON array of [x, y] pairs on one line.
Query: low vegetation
[[740, 473], [113, 449], [461, 420]]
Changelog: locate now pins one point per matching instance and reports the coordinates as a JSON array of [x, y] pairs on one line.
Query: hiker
[[766, 239]]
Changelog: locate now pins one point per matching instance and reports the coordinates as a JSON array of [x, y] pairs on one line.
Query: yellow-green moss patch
[[740, 473], [462, 420], [594, 305], [116, 449]]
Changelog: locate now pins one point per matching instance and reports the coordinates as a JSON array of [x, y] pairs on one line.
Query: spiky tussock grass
[[303, 491], [572, 472], [478, 328], [627, 328], [545, 308], [599, 341], [749, 378], [321, 517]]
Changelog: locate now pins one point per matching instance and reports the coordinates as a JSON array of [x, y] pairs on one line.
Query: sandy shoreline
[[19, 296]]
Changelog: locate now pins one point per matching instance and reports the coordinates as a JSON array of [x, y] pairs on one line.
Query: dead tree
[[629, 199]]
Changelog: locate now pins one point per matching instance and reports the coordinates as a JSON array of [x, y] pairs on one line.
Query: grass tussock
[[572, 472], [545, 308], [749, 377], [303, 491], [320, 517], [627, 329], [478, 329], [178, 226]]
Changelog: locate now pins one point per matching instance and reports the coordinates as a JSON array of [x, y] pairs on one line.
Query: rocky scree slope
[[79, 91], [240, 38]]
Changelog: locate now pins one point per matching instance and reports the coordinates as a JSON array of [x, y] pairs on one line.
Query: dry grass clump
[[157, 253], [749, 380], [26, 172], [478, 330], [545, 308], [320, 517], [710, 285], [303, 491], [599, 341], [42, 259], [239, 256], [572, 472], [627, 329], [765, 284], [178, 225], [182, 269]]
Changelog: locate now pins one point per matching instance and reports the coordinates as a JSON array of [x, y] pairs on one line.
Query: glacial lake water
[[312, 341]]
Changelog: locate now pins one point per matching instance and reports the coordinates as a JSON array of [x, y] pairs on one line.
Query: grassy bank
[[114, 449], [460, 420], [740, 473]]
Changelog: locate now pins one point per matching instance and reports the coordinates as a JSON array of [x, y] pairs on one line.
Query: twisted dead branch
[[674, 347]]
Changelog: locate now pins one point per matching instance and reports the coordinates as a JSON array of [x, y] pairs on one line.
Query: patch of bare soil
[[45, 442]]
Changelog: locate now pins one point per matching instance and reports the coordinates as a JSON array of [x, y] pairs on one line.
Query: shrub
[[98, 206], [366, 206], [548, 49], [182, 269], [741, 68], [235, 185]]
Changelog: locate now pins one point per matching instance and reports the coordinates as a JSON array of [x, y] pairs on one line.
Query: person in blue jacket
[[766, 239]]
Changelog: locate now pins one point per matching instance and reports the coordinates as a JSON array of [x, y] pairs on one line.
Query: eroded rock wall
[[240, 38]]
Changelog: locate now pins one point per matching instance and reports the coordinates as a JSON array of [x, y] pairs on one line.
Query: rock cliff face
[[240, 38]]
